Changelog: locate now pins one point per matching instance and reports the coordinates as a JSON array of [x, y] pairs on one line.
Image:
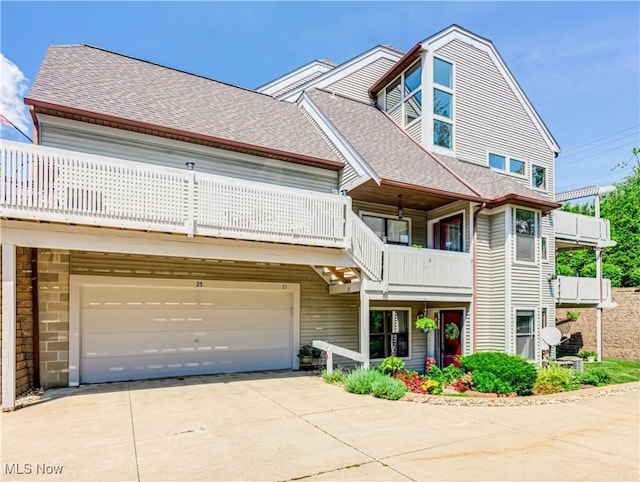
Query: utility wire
[[570, 149], [590, 148], [593, 154]]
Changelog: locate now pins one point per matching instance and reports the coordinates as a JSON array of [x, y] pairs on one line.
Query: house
[[167, 224]]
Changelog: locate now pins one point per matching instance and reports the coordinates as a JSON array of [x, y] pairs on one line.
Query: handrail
[[366, 249], [338, 350]]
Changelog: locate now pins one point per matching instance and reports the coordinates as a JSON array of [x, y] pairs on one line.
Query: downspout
[[36, 317], [475, 275]]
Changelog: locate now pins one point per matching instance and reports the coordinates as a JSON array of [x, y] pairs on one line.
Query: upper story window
[[405, 93], [442, 103], [538, 177], [525, 230], [448, 233], [389, 229], [503, 163]]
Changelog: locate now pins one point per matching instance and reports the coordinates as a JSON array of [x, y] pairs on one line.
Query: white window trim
[[534, 332], [544, 256], [403, 97], [536, 238], [430, 223], [507, 158], [429, 84], [410, 327], [389, 216], [546, 178]]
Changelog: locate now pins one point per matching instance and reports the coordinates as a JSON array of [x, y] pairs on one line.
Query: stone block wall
[[620, 327], [53, 303]]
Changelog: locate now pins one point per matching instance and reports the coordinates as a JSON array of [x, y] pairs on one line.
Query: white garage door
[[140, 328]]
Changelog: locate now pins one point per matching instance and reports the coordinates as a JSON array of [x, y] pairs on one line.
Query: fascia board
[[350, 154], [293, 76], [453, 33], [342, 70]]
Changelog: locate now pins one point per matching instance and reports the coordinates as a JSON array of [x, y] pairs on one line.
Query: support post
[[599, 278], [8, 326], [364, 325]]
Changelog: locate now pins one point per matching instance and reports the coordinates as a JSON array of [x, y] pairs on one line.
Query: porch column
[[364, 326], [8, 326]]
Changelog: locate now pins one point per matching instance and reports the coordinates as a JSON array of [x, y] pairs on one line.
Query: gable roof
[[101, 84], [296, 77], [398, 159]]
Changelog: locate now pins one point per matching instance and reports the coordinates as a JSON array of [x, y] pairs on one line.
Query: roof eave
[[431, 190], [235, 145], [394, 71], [545, 206]]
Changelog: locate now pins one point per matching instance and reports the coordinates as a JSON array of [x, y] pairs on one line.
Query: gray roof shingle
[[95, 80]]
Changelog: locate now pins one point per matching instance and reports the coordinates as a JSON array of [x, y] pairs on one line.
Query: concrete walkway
[[283, 426]]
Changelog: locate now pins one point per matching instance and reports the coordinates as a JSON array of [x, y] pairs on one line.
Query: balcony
[[48, 184], [576, 230], [571, 290]]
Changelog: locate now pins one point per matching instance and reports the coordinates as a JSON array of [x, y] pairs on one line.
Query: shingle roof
[[385, 147], [396, 157], [95, 80]]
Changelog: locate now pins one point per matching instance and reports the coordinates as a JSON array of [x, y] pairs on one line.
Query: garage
[[138, 328]]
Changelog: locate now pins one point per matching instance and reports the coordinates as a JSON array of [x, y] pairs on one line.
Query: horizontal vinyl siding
[[451, 209], [166, 152], [483, 288], [332, 318], [415, 131], [498, 284], [548, 269], [418, 218], [347, 175], [357, 84], [489, 116], [293, 85]]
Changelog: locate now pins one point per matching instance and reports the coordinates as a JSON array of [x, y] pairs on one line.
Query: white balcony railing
[[432, 269], [580, 229], [574, 290], [366, 248], [57, 185]]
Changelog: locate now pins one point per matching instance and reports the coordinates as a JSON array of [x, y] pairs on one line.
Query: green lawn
[[622, 371]]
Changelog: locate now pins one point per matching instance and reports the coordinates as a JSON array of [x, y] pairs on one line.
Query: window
[[525, 235], [525, 338], [502, 163], [538, 177], [390, 230], [447, 234], [388, 333], [544, 321], [405, 92], [442, 103], [543, 248]]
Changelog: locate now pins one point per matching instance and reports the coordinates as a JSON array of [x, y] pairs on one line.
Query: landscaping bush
[[390, 365], [553, 379], [360, 380], [389, 388], [412, 380], [336, 377], [596, 376], [487, 382], [514, 370], [451, 373]]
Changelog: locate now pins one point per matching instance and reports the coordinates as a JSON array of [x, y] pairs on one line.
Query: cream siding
[[356, 85], [415, 130], [106, 141], [483, 288], [498, 281], [332, 318], [548, 270], [488, 115], [298, 83], [347, 174], [449, 210], [418, 218]]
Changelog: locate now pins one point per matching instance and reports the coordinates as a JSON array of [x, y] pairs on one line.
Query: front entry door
[[451, 338]]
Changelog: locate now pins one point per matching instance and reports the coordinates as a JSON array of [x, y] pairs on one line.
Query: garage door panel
[[133, 331], [132, 320], [149, 343], [172, 298], [137, 368]]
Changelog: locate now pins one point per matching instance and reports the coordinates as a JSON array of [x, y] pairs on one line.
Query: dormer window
[[403, 96], [442, 103]]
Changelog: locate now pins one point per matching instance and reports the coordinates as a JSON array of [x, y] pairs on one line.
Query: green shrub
[[451, 373], [634, 277], [336, 377], [596, 376], [487, 382], [514, 370], [553, 379], [584, 354], [611, 271], [389, 388], [390, 365], [360, 380], [573, 315]]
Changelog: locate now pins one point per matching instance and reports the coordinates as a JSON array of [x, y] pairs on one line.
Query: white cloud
[[13, 87]]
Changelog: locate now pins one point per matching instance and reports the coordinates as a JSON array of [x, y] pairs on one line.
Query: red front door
[[451, 338]]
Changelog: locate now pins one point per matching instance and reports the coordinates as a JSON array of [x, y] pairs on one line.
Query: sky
[[578, 62]]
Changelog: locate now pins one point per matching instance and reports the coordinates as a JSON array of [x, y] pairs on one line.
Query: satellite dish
[[543, 345], [551, 336]]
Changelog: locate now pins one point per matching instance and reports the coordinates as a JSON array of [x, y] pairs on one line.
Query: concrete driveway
[[283, 426]]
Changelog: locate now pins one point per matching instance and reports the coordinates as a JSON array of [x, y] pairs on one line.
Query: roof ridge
[[210, 79], [342, 96]]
